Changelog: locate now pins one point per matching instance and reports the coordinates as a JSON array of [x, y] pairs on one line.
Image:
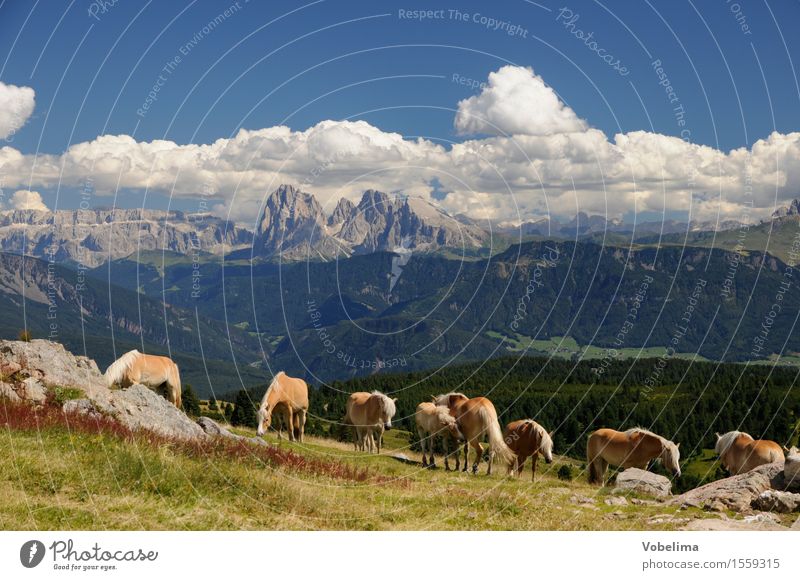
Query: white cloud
[[16, 107], [516, 102], [25, 199], [561, 165]]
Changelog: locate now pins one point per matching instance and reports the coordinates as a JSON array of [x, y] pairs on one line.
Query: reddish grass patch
[[24, 417]]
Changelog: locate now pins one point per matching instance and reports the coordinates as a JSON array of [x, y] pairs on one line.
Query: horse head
[[451, 425], [264, 419], [671, 457]]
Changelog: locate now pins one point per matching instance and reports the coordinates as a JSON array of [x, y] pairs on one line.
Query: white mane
[[116, 372], [386, 403], [444, 400], [265, 398], [726, 440]]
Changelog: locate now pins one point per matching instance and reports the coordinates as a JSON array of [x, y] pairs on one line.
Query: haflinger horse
[[632, 448], [287, 398], [433, 420], [739, 452], [527, 438], [477, 418], [370, 414], [146, 369]]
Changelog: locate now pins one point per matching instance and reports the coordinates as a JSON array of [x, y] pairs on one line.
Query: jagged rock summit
[[294, 226]]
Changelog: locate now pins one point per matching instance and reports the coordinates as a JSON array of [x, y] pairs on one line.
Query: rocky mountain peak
[[791, 210]]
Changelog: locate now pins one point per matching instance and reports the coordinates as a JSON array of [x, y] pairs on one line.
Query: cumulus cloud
[[25, 199], [16, 107], [533, 162], [516, 101]]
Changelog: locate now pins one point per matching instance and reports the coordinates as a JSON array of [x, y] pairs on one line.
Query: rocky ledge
[[39, 370]]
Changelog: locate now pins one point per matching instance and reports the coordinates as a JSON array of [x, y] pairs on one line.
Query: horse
[[477, 418], [527, 438], [632, 448], [149, 370], [369, 412], [739, 452], [433, 420], [288, 397]]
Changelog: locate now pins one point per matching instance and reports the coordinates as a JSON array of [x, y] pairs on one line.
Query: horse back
[[521, 438]]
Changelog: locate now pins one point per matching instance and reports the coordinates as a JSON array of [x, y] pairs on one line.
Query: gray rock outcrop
[[735, 493], [644, 482], [33, 370]]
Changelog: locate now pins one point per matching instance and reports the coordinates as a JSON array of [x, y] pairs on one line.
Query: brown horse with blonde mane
[[740, 453], [149, 370], [527, 438], [477, 418], [370, 414], [632, 448], [287, 399]]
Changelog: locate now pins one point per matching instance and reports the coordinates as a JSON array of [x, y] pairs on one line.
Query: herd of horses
[[459, 421]]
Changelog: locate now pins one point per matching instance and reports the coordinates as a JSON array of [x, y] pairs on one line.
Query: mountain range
[[294, 226]]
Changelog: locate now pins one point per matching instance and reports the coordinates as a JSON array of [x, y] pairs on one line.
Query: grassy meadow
[[71, 473]]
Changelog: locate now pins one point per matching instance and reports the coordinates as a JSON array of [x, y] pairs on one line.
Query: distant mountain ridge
[[93, 236], [294, 226]]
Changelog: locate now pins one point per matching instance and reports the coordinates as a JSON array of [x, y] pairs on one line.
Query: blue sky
[[297, 64]]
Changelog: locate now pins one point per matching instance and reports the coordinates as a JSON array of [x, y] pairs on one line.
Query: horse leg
[[422, 445], [491, 461], [290, 422], [466, 456], [300, 418], [478, 456], [534, 457], [379, 439], [446, 447]]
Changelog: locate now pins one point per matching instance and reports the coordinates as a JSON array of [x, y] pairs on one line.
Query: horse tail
[[174, 381], [495, 435], [596, 464]]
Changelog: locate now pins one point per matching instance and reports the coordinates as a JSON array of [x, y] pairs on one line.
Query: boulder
[[728, 525], [615, 500], [8, 393], [137, 407], [783, 502], [735, 493], [644, 482], [214, 429], [80, 407], [33, 390], [51, 363]]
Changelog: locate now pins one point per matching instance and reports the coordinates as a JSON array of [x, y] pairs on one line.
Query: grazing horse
[[527, 438], [477, 418], [632, 448], [146, 369], [431, 421], [368, 413], [288, 398], [739, 452]]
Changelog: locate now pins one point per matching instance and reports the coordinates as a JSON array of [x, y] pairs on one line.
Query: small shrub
[[64, 394], [565, 473], [24, 335]]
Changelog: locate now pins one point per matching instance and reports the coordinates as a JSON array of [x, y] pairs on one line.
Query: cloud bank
[[16, 107], [526, 151]]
